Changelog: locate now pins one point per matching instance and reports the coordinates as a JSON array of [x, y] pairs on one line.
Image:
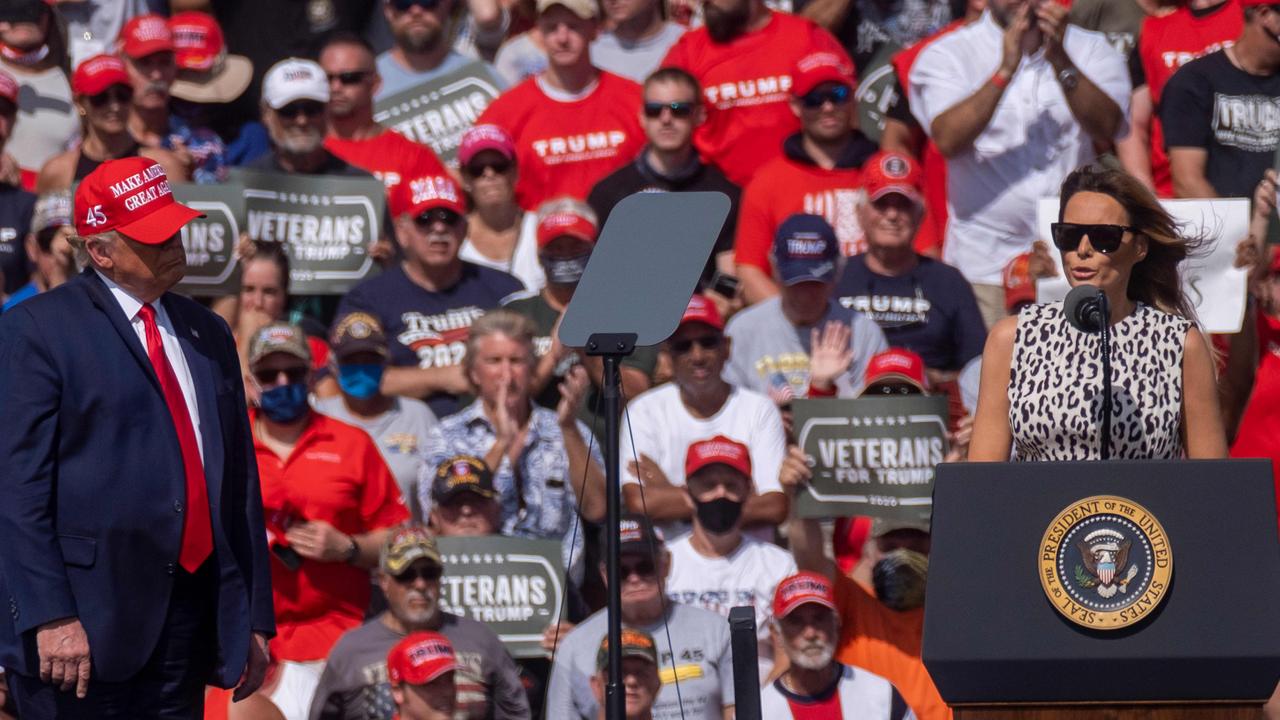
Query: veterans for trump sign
[[871, 456], [439, 111], [326, 223], [513, 585], [210, 241]]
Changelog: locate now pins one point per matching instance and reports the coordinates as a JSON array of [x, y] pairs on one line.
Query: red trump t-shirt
[[565, 145], [390, 157], [746, 85]]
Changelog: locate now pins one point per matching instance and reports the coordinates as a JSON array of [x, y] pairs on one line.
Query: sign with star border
[[210, 241], [327, 224], [439, 111], [871, 456], [513, 585]]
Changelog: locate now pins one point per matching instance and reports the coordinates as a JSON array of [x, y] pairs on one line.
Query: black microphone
[[1083, 308]]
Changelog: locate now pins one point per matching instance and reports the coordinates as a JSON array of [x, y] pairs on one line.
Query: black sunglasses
[[117, 93], [476, 168], [306, 108], [351, 77], [1105, 239], [892, 389], [403, 5], [430, 573], [268, 377], [435, 215], [837, 95], [644, 568], [706, 342], [653, 110]]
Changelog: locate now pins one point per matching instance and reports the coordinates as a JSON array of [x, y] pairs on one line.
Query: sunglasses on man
[[706, 342], [430, 217], [406, 5], [116, 93], [682, 110], [306, 108], [836, 95], [1104, 238], [430, 573], [350, 77], [266, 377]]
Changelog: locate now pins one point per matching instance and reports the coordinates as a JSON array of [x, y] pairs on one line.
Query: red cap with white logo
[[420, 658], [890, 172], [897, 364], [702, 310], [718, 450], [558, 224], [132, 196], [144, 35], [817, 68], [803, 587], [96, 74], [430, 192]]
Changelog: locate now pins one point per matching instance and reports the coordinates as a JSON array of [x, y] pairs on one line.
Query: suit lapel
[[204, 376], [102, 298]]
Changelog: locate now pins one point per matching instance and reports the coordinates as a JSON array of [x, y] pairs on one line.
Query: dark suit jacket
[[92, 483]]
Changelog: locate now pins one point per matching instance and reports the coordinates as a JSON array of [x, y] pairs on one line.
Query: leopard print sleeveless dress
[[1055, 387]]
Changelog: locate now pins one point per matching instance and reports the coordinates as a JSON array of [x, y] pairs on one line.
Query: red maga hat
[[132, 196], [821, 67], [702, 310], [568, 223], [420, 658], [144, 35], [433, 191], [718, 449], [96, 74], [803, 587], [897, 364]]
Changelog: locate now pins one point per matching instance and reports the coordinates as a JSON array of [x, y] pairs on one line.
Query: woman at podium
[[1041, 391]]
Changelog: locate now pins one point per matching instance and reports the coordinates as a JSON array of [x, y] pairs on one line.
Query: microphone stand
[[1105, 441]]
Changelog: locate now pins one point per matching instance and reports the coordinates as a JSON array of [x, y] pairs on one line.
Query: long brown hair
[[1155, 280]]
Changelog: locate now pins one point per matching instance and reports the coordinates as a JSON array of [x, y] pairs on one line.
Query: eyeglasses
[[404, 5], [476, 168], [706, 342], [351, 77], [653, 110], [305, 108], [1105, 239], [430, 573], [435, 215], [837, 95], [643, 568], [269, 376], [116, 93]]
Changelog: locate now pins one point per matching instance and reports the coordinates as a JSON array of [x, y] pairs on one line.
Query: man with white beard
[[807, 626]]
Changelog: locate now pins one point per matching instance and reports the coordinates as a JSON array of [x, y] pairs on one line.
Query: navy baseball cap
[[805, 250]]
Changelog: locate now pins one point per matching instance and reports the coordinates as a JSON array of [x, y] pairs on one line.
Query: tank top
[[86, 164], [1055, 386]]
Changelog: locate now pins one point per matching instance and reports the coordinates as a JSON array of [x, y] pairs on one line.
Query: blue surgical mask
[[284, 403], [360, 381]]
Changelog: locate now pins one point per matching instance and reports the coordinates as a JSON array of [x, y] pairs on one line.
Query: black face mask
[[718, 516]]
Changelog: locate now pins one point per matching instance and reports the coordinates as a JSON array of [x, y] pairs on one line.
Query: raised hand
[[830, 355]]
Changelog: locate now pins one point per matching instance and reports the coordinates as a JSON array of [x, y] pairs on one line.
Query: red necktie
[[197, 532]]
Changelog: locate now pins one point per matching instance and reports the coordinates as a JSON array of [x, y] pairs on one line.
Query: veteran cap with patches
[[635, 643], [462, 473], [357, 332], [406, 545], [279, 338]]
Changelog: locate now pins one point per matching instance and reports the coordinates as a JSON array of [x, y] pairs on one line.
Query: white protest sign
[[1216, 287]]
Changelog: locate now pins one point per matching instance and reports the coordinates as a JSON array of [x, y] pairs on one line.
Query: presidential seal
[[1105, 562]]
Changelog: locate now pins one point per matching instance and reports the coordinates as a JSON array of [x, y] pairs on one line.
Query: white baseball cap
[[294, 79]]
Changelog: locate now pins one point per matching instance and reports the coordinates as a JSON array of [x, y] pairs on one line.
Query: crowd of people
[[874, 240]]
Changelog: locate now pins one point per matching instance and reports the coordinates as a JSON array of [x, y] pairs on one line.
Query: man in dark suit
[[133, 557]]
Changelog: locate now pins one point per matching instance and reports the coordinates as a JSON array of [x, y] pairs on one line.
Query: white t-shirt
[[1032, 142], [664, 429], [524, 263], [747, 576], [862, 696]]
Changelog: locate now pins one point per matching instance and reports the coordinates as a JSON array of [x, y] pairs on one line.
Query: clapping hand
[[572, 390], [830, 355], [1051, 19]]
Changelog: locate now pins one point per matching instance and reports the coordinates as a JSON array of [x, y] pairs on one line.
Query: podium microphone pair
[[1088, 311]]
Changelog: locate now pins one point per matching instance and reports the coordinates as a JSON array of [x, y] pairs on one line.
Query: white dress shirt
[[172, 350], [1030, 146]]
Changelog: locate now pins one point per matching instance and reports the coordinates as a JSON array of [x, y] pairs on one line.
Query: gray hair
[[499, 322], [80, 246]]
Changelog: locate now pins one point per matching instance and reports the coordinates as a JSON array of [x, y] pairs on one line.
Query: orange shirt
[[334, 474], [564, 146], [391, 158], [887, 642], [746, 84]]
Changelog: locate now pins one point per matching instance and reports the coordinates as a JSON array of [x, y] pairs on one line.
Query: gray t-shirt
[[703, 665], [399, 434], [634, 59], [398, 78], [354, 683], [771, 356], [519, 58]]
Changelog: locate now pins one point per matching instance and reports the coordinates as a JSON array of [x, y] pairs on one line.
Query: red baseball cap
[[485, 137], [98, 73], [565, 222], [890, 172], [803, 587], [132, 196], [144, 35], [1019, 286], [420, 658], [821, 67], [897, 364], [718, 449], [197, 40], [433, 191], [8, 88], [702, 310]]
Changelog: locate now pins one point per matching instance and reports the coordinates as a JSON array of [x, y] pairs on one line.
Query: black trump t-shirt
[[1235, 116]]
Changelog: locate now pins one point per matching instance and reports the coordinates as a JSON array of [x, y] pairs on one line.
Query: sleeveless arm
[[992, 436], [1202, 432]]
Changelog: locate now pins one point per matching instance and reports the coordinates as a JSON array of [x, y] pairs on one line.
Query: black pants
[[169, 687]]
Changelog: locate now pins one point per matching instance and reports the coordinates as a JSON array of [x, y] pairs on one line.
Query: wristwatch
[[352, 551], [1069, 78]]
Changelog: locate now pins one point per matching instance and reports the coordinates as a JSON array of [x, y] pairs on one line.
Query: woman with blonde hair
[[1041, 394]]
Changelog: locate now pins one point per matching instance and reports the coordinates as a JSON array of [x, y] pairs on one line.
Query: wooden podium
[[1028, 617]]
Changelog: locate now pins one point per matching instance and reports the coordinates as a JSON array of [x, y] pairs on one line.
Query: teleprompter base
[[1113, 711]]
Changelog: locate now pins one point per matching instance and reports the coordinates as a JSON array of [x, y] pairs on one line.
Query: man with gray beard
[[815, 686], [355, 686]]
